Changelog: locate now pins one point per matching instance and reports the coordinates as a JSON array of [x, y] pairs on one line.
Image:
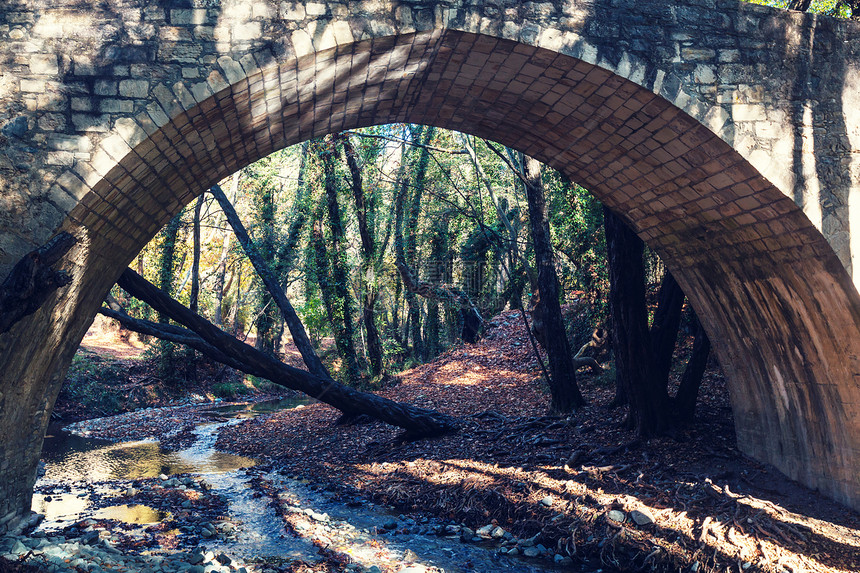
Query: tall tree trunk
[[263, 200], [688, 391], [634, 368], [566, 396], [365, 212], [664, 328], [166, 276], [339, 277], [297, 329], [190, 356], [417, 421], [406, 225]]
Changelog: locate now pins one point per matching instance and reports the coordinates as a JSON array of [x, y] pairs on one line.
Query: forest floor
[[581, 484], [690, 502]]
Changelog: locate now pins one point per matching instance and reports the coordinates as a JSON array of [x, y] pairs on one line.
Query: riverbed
[[197, 509]]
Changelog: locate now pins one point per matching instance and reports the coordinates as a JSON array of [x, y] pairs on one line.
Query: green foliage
[[230, 390], [90, 383], [313, 315]]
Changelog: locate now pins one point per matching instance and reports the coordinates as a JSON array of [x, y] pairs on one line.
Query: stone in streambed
[[616, 516], [642, 517], [530, 552], [547, 501]]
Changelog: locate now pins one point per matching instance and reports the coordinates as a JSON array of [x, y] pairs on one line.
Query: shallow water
[[78, 468]]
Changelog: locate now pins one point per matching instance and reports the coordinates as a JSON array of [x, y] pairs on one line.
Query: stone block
[[44, 64], [116, 106], [189, 16], [90, 122], [105, 87], [134, 88]]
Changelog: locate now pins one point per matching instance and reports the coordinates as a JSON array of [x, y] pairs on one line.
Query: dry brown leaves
[[709, 504]]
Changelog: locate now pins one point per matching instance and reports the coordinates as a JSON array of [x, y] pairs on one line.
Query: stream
[[221, 512]]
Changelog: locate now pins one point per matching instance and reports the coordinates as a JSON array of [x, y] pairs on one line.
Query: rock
[[497, 533], [513, 552], [530, 552], [389, 525], [223, 559], [559, 559], [90, 537], [641, 517], [547, 501], [195, 558], [162, 477], [485, 531], [373, 569], [616, 516]]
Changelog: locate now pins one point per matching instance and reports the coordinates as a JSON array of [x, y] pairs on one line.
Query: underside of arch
[[783, 313]]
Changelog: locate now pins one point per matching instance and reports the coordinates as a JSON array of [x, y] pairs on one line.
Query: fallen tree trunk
[[32, 281], [417, 422]]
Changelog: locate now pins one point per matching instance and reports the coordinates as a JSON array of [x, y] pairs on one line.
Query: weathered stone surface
[[732, 151]]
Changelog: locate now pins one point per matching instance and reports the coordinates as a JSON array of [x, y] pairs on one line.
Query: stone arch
[[769, 288]]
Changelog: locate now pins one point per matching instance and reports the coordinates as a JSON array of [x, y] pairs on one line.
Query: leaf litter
[[581, 483]]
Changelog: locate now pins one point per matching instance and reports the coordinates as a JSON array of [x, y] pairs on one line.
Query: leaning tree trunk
[[664, 328], [565, 393], [417, 422], [294, 323], [649, 404], [688, 391]]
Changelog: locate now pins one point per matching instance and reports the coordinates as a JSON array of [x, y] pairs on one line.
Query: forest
[[377, 249]]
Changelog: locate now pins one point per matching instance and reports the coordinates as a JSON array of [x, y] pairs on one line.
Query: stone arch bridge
[[726, 134]]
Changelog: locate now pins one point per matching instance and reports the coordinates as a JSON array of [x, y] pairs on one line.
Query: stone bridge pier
[[726, 134]]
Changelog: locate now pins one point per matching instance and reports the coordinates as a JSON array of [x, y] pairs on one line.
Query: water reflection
[[72, 458], [137, 514]]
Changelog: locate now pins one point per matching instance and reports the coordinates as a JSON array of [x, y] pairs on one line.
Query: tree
[[297, 329], [418, 422], [331, 262], [636, 380], [565, 393], [365, 210]]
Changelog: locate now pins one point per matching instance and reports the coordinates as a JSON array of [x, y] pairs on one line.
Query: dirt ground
[[690, 502]]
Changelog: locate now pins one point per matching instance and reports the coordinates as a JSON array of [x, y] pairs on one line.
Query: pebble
[[547, 501], [642, 517], [616, 516]]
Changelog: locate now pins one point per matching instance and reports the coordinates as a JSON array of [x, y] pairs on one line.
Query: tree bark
[[566, 396], [365, 211], [32, 281], [297, 329], [664, 328], [191, 364], [648, 414], [342, 315], [417, 422], [688, 391]]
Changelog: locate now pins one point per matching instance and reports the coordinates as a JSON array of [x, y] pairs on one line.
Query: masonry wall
[[696, 121]]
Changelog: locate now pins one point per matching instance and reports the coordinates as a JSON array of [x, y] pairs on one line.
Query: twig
[[534, 346]]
